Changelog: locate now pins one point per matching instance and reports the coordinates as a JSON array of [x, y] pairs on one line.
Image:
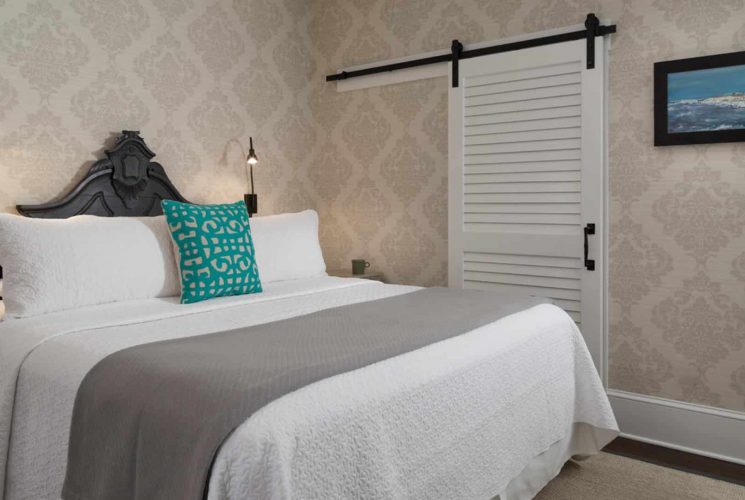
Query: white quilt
[[457, 419]]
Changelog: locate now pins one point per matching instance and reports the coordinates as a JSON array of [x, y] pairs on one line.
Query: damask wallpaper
[[677, 249], [198, 77]]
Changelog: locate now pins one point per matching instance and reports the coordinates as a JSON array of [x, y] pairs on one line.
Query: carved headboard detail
[[124, 184]]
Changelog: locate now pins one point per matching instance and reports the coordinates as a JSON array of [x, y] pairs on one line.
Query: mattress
[[462, 418]]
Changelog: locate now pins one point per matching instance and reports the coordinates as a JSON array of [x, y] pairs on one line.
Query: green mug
[[359, 266]]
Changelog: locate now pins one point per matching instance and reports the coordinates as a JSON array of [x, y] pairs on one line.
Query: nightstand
[[369, 275]]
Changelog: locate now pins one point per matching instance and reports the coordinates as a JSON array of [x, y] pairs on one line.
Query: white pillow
[[56, 264], [287, 246]]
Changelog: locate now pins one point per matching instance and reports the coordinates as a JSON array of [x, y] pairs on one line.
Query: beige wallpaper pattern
[[677, 247], [197, 77]]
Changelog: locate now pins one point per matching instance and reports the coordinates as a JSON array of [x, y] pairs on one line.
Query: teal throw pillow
[[215, 253]]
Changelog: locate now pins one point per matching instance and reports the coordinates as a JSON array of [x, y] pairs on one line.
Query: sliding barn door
[[526, 179]]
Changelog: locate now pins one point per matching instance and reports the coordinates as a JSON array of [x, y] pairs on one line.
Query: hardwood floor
[[688, 462]]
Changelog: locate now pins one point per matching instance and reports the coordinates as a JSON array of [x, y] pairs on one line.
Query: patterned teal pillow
[[215, 251]]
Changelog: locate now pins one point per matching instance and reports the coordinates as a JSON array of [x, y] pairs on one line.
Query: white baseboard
[[703, 430]]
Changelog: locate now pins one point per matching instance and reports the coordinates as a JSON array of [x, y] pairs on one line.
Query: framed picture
[[700, 100]]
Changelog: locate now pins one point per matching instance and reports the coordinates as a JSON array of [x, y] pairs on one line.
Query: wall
[[192, 75], [189, 74], [677, 249]]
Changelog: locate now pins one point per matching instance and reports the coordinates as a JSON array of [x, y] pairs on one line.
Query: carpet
[[612, 477]]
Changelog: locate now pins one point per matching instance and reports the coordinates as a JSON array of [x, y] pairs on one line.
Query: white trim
[[431, 70], [455, 181], [594, 284], [605, 235], [703, 430]]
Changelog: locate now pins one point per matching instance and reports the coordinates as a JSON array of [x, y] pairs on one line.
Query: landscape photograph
[[706, 100]]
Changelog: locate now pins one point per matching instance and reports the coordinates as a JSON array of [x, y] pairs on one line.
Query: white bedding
[[458, 419]]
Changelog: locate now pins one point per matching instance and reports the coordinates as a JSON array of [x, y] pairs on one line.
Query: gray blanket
[[148, 420]]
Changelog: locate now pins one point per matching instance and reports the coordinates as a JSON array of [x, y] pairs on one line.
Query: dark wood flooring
[[688, 462]]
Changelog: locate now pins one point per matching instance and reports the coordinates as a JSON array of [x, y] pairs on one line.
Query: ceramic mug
[[359, 266]]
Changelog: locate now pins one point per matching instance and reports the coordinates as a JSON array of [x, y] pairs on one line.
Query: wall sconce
[[252, 200]]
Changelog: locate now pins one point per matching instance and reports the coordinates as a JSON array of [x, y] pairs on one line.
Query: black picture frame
[[661, 71]]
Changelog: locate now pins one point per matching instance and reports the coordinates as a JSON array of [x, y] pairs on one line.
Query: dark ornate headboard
[[124, 184]]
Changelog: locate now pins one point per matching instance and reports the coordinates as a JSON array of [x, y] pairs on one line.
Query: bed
[[491, 413]]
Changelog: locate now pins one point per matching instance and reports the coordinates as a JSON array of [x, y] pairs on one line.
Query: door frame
[[455, 217]]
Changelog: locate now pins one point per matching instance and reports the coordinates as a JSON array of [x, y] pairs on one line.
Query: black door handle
[[589, 263]]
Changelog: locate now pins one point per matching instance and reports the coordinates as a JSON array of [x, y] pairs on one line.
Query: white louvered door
[[526, 176]]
